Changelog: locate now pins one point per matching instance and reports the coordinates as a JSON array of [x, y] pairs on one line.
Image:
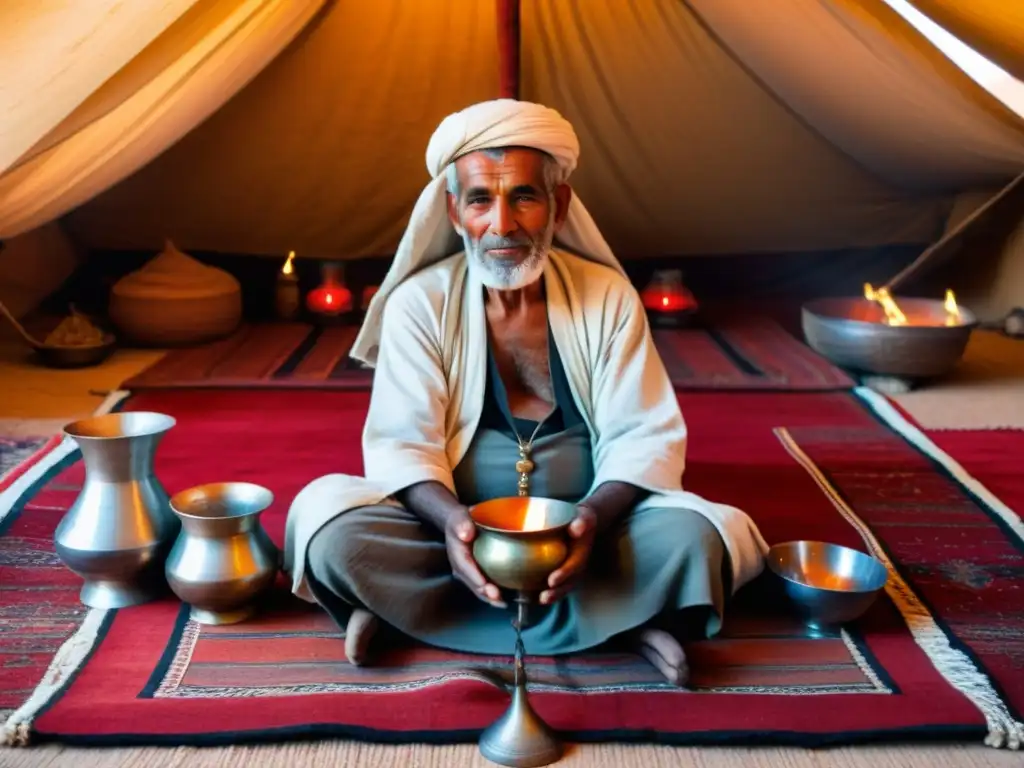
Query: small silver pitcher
[[223, 560], [119, 530]]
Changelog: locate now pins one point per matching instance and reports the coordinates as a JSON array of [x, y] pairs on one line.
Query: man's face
[[506, 215]]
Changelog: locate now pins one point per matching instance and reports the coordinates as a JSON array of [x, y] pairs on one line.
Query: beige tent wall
[[66, 51], [1001, 287], [685, 151], [202, 60], [34, 265], [987, 271], [986, 39], [705, 129], [324, 151], [682, 150]]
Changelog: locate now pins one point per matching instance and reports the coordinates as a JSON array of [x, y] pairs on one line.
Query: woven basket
[[175, 300]]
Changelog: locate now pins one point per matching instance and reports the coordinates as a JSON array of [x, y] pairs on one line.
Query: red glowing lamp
[[331, 297], [667, 294]]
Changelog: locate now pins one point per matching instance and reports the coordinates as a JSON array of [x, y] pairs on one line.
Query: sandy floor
[[351, 755], [33, 398], [30, 391], [986, 391]]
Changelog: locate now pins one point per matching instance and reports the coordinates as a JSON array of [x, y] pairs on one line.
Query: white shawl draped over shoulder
[[429, 389]]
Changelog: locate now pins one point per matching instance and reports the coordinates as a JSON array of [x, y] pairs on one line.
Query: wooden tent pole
[[937, 251], [508, 48]]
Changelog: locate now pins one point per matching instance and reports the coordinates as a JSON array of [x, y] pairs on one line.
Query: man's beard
[[509, 277]]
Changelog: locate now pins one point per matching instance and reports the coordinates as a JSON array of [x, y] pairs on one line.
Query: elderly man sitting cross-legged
[[514, 343]]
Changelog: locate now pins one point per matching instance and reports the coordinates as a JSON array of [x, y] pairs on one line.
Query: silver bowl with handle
[[827, 584]]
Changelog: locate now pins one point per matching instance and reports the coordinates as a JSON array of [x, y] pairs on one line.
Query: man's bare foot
[[361, 627], [664, 652]]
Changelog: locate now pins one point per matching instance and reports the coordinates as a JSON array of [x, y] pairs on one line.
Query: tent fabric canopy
[[706, 126], [56, 53], [168, 88], [994, 28]]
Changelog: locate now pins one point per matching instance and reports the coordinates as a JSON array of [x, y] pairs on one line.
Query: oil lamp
[[666, 298], [331, 298], [286, 291]]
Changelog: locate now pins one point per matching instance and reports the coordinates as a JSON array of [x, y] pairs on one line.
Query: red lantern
[[331, 298], [667, 294]]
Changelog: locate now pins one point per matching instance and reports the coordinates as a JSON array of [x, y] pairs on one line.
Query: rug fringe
[[17, 730], [952, 663]]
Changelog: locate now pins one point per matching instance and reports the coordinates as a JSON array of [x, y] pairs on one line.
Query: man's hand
[[459, 533], [581, 532]]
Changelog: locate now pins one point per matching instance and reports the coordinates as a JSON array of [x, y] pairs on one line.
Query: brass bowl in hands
[[521, 540]]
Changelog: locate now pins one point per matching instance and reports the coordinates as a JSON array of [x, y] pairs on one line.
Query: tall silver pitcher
[[118, 532]]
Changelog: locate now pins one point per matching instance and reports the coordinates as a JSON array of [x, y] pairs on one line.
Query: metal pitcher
[[223, 560], [118, 532]]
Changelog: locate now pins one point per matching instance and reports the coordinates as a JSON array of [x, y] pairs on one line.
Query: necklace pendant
[[524, 466]]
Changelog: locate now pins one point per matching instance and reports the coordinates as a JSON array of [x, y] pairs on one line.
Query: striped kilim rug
[[735, 353], [15, 450], [936, 657], [755, 654]]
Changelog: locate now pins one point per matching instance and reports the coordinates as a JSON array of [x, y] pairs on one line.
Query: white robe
[[428, 395]]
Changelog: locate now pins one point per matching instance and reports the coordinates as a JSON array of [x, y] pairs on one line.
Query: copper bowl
[[71, 356], [521, 540]]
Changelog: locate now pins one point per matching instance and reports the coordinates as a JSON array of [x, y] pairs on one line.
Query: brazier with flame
[[915, 338]]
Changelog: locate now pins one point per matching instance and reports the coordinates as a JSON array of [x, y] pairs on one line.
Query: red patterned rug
[[15, 451], [729, 352], [925, 663], [39, 606]]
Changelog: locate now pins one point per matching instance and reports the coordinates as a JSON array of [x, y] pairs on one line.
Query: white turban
[[429, 237]]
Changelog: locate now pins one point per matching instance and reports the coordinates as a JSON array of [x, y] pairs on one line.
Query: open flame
[[952, 309], [287, 269], [893, 314]]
